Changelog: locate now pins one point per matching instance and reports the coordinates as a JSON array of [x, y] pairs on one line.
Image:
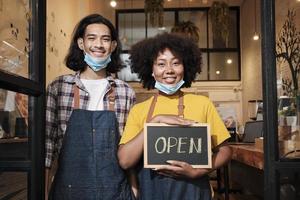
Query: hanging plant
[[220, 18], [155, 8]]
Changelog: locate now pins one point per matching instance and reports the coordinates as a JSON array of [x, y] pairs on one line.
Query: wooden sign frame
[[170, 131]]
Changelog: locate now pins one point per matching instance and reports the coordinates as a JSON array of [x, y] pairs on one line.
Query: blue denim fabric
[[88, 168], [158, 187]]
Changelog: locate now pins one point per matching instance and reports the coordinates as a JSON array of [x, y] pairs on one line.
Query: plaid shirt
[[60, 105]]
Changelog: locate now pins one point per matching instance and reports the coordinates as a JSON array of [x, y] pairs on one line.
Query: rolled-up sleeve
[[51, 124]]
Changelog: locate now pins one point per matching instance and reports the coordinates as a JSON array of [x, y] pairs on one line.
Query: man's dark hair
[[75, 57], [144, 53]]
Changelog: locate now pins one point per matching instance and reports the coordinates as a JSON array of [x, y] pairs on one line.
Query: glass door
[[22, 90], [281, 65]]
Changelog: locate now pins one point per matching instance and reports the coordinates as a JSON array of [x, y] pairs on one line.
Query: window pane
[[13, 185], [14, 36], [223, 66], [13, 125], [199, 18], [131, 28], [215, 39], [169, 22], [204, 73]]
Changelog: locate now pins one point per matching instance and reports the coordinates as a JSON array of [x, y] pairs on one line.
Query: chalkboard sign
[[191, 144]]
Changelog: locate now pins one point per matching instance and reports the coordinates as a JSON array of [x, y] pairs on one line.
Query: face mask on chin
[[168, 89], [96, 64]]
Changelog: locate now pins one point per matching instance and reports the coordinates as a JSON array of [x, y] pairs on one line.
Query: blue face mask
[[168, 89], [96, 64]]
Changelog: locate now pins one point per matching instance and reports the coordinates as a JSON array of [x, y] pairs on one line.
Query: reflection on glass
[[126, 74], [220, 69], [131, 28], [199, 19], [169, 21], [14, 37], [289, 184], [13, 185], [13, 125]]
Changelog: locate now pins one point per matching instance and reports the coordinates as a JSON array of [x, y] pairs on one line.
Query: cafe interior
[[251, 66]]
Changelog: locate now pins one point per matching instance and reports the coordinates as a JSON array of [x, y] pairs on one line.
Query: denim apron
[[88, 167], [154, 186]]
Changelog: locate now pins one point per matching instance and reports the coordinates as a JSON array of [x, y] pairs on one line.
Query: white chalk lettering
[[180, 143], [164, 141], [170, 144], [193, 144]]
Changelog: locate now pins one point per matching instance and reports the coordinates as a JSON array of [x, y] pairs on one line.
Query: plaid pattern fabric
[[60, 105]]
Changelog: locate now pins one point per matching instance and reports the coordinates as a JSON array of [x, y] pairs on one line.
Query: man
[[85, 116]]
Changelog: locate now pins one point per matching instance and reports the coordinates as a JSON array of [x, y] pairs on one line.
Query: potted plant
[[155, 9], [220, 19]]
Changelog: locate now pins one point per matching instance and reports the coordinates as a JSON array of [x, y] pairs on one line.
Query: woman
[[169, 62]]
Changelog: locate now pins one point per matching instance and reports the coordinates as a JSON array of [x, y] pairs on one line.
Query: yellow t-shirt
[[198, 108]]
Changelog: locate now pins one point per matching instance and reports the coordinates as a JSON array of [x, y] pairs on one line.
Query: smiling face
[[167, 69], [97, 41]]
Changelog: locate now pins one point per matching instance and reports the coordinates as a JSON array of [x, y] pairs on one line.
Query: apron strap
[[111, 96], [76, 96], [181, 105], [152, 106], [154, 100]]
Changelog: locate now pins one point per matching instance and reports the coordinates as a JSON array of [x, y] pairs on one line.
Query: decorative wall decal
[[52, 17], [51, 44], [14, 31]]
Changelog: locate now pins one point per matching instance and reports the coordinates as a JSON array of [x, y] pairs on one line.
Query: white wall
[[250, 55], [62, 16]]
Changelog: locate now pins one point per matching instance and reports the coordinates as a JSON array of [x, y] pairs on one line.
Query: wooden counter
[[246, 169], [248, 154]]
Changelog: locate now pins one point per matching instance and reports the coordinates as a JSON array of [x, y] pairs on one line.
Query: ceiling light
[[255, 36], [229, 61], [113, 3]]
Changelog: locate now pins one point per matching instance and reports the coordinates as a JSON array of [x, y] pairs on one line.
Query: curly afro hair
[[144, 53]]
